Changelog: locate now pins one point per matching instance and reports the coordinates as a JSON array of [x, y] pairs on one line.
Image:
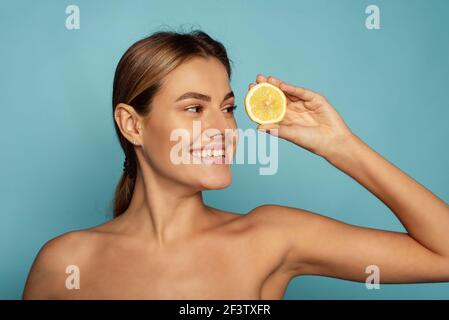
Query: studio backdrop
[[387, 75]]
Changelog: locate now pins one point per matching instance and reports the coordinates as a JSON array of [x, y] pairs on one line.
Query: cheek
[[157, 142], [167, 147]]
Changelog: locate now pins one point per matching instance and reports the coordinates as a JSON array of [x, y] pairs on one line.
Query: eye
[[198, 107], [230, 109]]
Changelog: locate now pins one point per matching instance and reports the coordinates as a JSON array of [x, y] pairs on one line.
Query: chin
[[216, 181]]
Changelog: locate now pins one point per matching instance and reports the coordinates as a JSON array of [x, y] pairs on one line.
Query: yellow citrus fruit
[[265, 103]]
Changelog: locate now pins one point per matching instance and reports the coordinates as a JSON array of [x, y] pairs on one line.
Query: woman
[[165, 243]]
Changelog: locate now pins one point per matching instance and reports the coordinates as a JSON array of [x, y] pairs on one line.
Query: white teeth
[[206, 153]]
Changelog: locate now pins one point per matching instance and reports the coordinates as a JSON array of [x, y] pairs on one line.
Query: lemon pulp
[[265, 103]]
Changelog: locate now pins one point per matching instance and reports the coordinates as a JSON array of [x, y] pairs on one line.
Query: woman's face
[[192, 110]]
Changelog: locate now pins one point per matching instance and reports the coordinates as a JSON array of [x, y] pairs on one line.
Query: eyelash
[[231, 108]]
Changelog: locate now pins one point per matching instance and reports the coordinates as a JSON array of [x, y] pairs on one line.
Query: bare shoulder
[[274, 216], [294, 223], [279, 223], [279, 230], [287, 227], [48, 272]]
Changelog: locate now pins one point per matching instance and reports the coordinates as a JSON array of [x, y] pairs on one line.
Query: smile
[[211, 154]]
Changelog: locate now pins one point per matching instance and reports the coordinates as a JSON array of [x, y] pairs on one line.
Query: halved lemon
[[265, 103]]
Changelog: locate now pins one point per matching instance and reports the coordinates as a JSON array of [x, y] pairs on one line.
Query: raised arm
[[316, 244]]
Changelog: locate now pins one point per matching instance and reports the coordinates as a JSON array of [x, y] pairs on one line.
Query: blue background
[[60, 159]]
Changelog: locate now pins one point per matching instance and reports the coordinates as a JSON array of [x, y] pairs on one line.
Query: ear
[[129, 123]]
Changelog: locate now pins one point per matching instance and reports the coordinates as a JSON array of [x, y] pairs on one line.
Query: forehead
[[198, 74]]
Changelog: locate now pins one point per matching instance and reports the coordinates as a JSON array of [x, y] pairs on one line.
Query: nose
[[217, 123]]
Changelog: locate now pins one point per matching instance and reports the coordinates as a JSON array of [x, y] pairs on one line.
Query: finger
[[300, 92], [250, 86], [274, 81], [260, 78], [296, 107]]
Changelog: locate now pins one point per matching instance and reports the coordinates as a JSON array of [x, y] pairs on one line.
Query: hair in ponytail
[[137, 78]]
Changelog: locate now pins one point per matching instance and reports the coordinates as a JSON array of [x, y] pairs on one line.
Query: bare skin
[[170, 245]]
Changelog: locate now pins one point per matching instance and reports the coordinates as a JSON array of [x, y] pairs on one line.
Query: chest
[[209, 271]]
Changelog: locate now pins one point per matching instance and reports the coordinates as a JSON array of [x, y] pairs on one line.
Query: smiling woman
[[165, 243], [139, 76]]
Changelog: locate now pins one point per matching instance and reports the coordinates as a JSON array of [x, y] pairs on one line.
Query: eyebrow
[[200, 96]]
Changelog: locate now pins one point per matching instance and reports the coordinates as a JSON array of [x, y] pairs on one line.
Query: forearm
[[424, 215]]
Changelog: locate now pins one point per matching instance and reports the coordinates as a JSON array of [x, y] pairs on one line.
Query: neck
[[165, 210]]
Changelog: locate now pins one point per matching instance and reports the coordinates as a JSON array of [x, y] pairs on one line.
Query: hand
[[310, 120]]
